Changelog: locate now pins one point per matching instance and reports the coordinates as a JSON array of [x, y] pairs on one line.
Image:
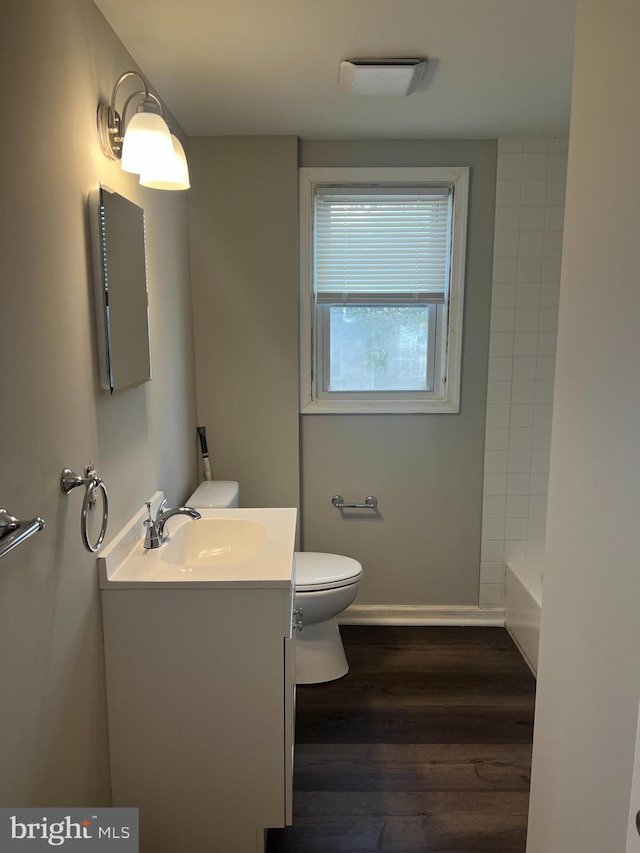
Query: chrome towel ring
[[92, 483]]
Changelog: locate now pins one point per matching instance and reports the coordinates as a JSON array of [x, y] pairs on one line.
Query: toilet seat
[[315, 571]]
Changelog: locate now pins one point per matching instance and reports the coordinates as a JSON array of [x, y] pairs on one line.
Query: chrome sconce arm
[[111, 124], [145, 144]]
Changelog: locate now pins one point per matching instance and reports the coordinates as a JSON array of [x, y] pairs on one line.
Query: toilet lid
[[316, 571], [215, 493]]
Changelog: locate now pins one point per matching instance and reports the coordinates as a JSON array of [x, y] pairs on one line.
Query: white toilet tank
[[215, 493]]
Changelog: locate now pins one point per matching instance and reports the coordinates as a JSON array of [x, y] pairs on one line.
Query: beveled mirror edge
[[100, 292]]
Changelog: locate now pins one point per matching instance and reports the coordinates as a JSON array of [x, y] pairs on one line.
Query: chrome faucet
[[155, 535]]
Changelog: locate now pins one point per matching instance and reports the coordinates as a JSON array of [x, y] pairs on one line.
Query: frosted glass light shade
[[147, 143], [174, 174]]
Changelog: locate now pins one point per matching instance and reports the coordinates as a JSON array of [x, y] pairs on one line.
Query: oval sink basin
[[214, 542]]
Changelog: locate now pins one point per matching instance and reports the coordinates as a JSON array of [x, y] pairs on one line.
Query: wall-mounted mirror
[[120, 270]]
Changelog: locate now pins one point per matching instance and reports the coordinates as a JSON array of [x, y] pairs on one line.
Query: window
[[382, 274]]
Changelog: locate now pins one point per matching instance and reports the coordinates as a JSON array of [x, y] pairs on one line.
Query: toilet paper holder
[[370, 502]]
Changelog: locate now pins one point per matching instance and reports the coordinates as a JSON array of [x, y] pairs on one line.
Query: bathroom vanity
[[200, 682]]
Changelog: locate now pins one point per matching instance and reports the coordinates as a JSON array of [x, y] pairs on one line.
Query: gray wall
[[589, 669], [426, 470], [61, 58], [243, 227]]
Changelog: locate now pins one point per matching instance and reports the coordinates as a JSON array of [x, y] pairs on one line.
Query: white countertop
[[125, 564]]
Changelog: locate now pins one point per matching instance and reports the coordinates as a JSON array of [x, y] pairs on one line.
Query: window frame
[[445, 396]]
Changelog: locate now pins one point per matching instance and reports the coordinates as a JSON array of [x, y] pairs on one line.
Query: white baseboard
[[527, 659], [407, 614]]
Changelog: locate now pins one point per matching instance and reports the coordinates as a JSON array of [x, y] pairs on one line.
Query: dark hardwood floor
[[424, 747]]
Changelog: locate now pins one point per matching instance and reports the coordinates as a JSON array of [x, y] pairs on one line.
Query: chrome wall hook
[[92, 483]]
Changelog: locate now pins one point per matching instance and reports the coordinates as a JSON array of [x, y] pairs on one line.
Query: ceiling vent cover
[[397, 77]]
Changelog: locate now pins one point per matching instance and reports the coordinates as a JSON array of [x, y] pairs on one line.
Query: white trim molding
[[409, 614]]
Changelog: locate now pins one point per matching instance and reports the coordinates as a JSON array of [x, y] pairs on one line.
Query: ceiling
[[496, 67]]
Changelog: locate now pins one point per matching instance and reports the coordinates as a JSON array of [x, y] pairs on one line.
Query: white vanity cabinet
[[200, 696]]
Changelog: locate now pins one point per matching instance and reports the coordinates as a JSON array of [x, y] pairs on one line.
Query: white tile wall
[[524, 319]]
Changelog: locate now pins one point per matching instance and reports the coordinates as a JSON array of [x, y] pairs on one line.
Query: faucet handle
[[151, 539]]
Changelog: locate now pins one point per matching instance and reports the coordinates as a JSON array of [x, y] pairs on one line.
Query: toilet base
[[319, 653]]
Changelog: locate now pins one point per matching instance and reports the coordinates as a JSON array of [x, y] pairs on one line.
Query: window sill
[[381, 407]]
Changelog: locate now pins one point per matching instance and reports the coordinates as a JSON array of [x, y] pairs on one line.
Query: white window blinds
[[376, 245]]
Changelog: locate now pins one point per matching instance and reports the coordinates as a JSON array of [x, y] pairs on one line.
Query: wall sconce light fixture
[[144, 145]]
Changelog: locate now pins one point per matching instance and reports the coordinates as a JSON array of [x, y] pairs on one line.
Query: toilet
[[325, 585]]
